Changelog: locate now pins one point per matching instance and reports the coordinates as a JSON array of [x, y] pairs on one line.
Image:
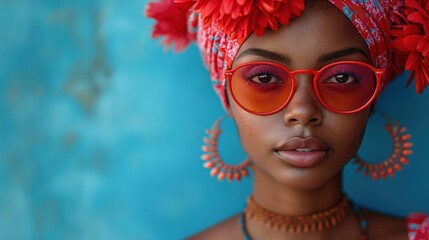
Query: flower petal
[[410, 42], [413, 61], [240, 17], [171, 22], [425, 51], [227, 7], [425, 70], [412, 3], [422, 43], [416, 17], [398, 45], [411, 30], [420, 81]]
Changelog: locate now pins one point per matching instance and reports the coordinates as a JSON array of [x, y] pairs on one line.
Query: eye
[[264, 74], [342, 78], [265, 78], [345, 74]]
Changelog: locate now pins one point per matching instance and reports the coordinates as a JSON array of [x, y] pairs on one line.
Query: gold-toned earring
[[213, 160], [401, 151]]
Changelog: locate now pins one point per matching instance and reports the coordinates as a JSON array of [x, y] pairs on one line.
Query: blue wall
[[101, 130]]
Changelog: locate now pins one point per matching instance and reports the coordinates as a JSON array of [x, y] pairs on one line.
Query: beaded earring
[[398, 158], [213, 160]]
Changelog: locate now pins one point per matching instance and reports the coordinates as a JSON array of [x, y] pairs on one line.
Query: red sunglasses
[[265, 88]]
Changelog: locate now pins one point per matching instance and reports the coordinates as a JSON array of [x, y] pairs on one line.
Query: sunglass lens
[[347, 86], [261, 88]]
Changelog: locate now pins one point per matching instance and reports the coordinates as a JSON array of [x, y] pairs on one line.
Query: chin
[[307, 179], [305, 182]]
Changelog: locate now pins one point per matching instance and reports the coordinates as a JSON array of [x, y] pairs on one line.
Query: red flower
[[238, 18], [412, 41], [171, 23]]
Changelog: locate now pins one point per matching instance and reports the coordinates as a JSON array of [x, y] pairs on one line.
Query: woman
[[300, 81]]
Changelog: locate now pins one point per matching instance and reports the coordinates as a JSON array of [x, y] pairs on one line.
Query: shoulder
[[230, 229], [382, 226]]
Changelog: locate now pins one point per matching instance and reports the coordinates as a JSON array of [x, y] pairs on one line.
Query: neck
[[299, 200], [293, 201]]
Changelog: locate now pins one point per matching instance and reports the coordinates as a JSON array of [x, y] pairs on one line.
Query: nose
[[304, 108]]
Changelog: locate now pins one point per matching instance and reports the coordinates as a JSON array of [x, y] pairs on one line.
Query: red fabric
[[418, 226]]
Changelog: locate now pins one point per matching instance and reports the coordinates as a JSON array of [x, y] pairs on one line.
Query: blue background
[[101, 130]]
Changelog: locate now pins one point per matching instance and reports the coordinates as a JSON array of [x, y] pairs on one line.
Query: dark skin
[[284, 188]]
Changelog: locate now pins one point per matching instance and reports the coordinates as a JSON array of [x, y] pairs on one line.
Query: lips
[[303, 152]]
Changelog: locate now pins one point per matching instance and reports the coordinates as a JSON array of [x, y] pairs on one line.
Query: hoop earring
[[401, 150], [213, 160]]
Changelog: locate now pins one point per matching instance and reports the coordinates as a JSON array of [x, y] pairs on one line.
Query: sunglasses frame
[[378, 72]]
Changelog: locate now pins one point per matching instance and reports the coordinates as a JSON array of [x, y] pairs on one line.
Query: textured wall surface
[[101, 130]]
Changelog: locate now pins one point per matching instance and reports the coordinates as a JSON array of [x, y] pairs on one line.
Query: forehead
[[320, 30]]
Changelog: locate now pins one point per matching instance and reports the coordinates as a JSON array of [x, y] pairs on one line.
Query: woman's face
[[322, 35]]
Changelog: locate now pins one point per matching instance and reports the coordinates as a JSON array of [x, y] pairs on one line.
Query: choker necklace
[[298, 224]]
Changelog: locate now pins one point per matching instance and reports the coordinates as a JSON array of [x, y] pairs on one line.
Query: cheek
[[348, 134], [253, 131], [247, 127]]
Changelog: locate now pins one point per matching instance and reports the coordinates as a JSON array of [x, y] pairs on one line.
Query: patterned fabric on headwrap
[[371, 20], [395, 31]]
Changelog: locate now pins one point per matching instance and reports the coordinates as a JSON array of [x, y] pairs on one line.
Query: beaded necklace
[[296, 224]]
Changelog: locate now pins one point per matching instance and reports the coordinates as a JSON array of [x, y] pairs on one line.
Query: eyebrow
[[342, 53], [286, 60], [266, 54]]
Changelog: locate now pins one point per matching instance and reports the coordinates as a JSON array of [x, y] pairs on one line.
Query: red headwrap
[[395, 31]]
